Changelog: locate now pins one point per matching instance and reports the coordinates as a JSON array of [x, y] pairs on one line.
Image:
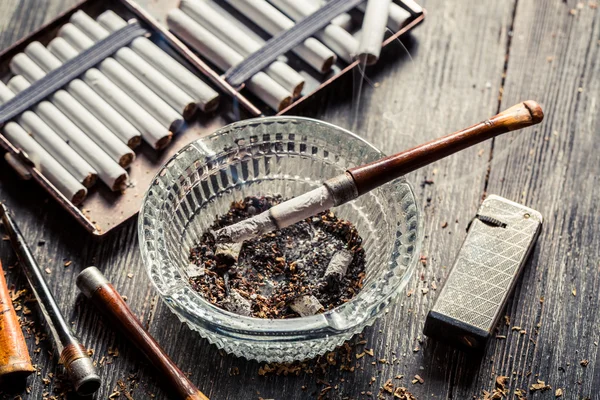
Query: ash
[[274, 269]]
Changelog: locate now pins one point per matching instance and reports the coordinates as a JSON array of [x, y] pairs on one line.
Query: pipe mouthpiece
[[537, 115], [89, 280]]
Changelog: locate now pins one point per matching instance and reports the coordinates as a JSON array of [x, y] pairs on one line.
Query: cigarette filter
[[489, 262], [14, 357]]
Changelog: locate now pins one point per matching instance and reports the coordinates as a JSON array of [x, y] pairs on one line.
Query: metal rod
[[72, 353]]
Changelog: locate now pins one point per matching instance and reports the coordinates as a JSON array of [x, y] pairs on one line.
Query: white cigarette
[[154, 79], [306, 305], [205, 96], [223, 28], [335, 37], [224, 57], [373, 31], [50, 140], [21, 64], [87, 97], [338, 265], [56, 174], [343, 20], [131, 85], [278, 217], [271, 20], [397, 16], [109, 172], [152, 131]]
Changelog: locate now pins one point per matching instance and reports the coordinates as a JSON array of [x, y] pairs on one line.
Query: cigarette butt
[[56, 174], [109, 171], [333, 36], [154, 79], [373, 31], [207, 16], [130, 84], [237, 304], [272, 21], [153, 132], [338, 265], [21, 64], [224, 57], [228, 252], [50, 140], [306, 305], [206, 97], [110, 117]]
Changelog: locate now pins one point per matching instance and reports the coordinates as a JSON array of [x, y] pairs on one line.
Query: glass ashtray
[[268, 156]]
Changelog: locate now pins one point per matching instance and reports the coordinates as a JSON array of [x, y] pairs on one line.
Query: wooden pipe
[[369, 176], [14, 357], [95, 286], [360, 180]]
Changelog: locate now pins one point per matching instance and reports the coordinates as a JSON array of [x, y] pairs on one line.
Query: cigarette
[[56, 174], [338, 265], [271, 20], [373, 30], [224, 57], [205, 96], [306, 305], [109, 172], [50, 140], [153, 132], [131, 85], [154, 79], [233, 36], [21, 64], [237, 304], [277, 217], [333, 36], [397, 16], [87, 97]]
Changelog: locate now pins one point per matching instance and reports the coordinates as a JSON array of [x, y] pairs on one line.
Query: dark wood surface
[[468, 61]]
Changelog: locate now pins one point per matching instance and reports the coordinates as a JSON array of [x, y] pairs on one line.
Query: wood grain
[[463, 56]]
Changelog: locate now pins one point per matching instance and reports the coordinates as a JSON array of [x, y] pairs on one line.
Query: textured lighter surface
[[488, 263]]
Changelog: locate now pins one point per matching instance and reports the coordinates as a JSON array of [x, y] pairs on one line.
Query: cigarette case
[[103, 210]]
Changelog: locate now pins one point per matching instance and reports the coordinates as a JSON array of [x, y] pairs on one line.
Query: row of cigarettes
[[89, 128], [225, 41]]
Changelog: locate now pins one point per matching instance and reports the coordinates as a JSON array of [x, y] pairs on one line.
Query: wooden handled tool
[[95, 286], [73, 355], [14, 357], [360, 180]]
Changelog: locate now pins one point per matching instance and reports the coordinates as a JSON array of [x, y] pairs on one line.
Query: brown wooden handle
[[14, 357], [110, 301], [369, 176]]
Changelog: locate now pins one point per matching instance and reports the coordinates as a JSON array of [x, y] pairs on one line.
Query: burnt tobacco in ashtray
[[312, 266]]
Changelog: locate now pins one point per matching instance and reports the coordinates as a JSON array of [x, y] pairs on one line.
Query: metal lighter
[[499, 240]]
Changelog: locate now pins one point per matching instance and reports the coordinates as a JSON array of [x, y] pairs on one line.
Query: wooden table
[[468, 61]]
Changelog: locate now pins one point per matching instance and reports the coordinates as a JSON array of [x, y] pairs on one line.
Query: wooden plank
[[554, 59]]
